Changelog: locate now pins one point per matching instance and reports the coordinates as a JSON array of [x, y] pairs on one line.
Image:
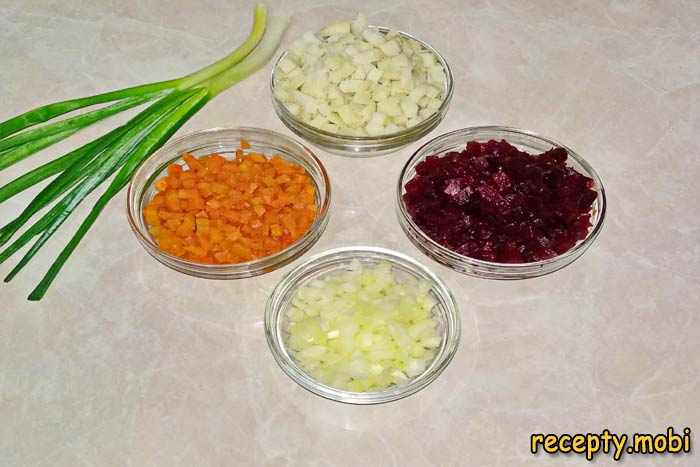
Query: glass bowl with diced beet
[[362, 325], [359, 90], [500, 203], [229, 203]]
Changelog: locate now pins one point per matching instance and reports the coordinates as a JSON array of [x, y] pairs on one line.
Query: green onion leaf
[[14, 155], [90, 157], [63, 126], [142, 146], [41, 173], [47, 112]]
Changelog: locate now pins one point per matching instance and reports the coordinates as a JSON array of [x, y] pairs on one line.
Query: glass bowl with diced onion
[[362, 325], [359, 90]]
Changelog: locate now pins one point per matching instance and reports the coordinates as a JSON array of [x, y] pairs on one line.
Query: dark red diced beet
[[428, 165], [556, 154], [511, 253], [473, 149], [458, 190], [494, 202], [501, 180]]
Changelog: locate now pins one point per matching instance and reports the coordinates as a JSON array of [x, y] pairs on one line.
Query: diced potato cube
[[437, 76], [416, 93], [352, 85], [346, 70], [338, 28], [374, 74], [381, 93], [314, 89], [361, 97], [348, 115], [389, 106], [358, 26], [368, 56], [319, 121], [409, 107], [391, 128], [360, 73], [373, 37], [375, 125], [428, 59], [390, 48]]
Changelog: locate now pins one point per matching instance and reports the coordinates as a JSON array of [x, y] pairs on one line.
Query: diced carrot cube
[[173, 182], [202, 225], [213, 203], [259, 158], [174, 169], [276, 230], [196, 250], [161, 185], [172, 202], [283, 179], [214, 162], [219, 188], [216, 235], [221, 257]]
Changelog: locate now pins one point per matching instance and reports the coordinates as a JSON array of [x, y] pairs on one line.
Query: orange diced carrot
[[161, 185], [172, 202], [276, 230], [215, 210], [259, 158], [174, 169], [202, 225]]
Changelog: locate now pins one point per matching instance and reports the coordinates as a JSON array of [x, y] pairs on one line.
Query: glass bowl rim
[[475, 130], [397, 135], [133, 196], [451, 333]]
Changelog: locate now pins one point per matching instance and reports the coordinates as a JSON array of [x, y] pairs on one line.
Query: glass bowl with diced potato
[[359, 90]]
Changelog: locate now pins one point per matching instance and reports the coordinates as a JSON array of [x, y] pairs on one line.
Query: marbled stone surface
[[128, 363]]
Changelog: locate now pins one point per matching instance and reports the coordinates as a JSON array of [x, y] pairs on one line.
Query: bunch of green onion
[[120, 151]]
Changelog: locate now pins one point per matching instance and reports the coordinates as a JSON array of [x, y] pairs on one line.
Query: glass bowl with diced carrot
[[229, 203]]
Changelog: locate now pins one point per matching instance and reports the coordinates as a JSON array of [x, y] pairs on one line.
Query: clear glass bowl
[[524, 140], [366, 146], [225, 141], [445, 311]]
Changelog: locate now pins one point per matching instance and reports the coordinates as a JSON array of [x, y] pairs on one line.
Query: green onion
[[94, 172], [120, 151], [91, 153], [82, 154], [47, 112], [12, 148]]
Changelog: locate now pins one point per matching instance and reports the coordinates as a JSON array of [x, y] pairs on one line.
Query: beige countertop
[[128, 363]]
